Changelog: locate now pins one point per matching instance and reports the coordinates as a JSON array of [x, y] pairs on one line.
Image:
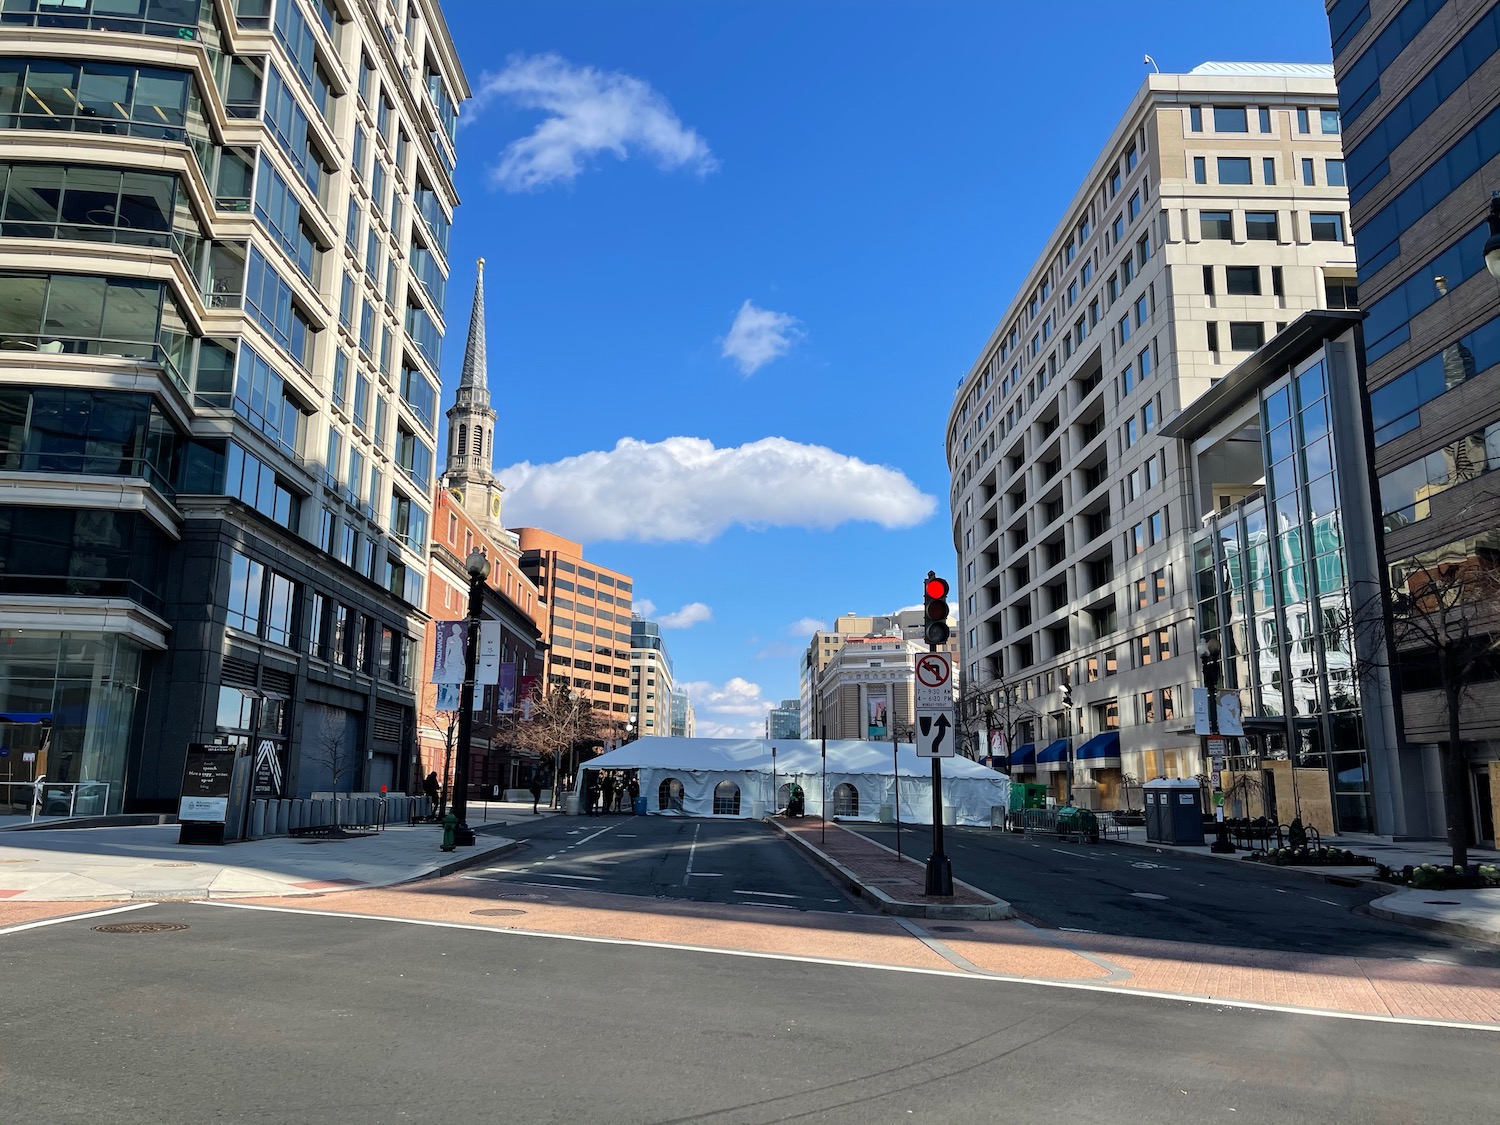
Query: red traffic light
[[936, 587]]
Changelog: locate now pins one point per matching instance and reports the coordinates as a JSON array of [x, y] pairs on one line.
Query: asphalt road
[[1139, 892], [250, 1016], [725, 861]]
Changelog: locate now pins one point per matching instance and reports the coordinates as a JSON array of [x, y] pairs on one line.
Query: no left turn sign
[[934, 669]]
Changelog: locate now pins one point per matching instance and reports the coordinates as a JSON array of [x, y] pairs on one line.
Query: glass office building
[[1419, 91]]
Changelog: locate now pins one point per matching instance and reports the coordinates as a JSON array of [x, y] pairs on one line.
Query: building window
[[1302, 126], [1213, 336], [1327, 226], [1208, 281], [1234, 170], [1246, 336], [1261, 225], [845, 800], [1333, 172], [1230, 119], [1195, 118], [246, 582], [1268, 170], [669, 795], [1215, 224], [1242, 281], [1329, 121], [1200, 170], [1307, 174], [1265, 119]]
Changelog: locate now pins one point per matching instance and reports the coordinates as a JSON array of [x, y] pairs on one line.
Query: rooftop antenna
[[1149, 61]]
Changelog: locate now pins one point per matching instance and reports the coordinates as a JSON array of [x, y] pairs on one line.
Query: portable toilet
[[1174, 811]]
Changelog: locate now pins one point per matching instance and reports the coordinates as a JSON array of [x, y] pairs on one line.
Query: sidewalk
[[145, 862]]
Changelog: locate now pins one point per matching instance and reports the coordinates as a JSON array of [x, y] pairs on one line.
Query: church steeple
[[469, 476]]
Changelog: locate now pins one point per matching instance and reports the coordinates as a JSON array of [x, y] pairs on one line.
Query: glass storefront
[[1273, 587], [72, 696]]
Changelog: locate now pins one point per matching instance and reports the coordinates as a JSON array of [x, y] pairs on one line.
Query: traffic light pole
[[939, 869]]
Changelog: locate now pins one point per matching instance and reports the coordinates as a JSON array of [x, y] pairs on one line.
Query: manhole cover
[[140, 927], [172, 865], [497, 913], [525, 897], [1442, 902], [951, 929]]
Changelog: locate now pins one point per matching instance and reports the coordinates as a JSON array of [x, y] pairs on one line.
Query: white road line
[[560, 875], [1325, 901], [952, 974], [773, 905], [75, 917], [692, 851], [705, 875], [1095, 858], [776, 894]]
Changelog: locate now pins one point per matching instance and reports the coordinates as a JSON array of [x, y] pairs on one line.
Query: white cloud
[[733, 709], [694, 613], [643, 606], [684, 488], [588, 111], [758, 336], [805, 627]]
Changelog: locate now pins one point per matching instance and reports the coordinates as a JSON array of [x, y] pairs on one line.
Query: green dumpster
[[1078, 822]]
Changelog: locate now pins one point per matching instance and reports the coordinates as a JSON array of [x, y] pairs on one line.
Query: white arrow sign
[[935, 734]]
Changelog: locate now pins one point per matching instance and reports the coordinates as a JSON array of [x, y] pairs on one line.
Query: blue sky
[[738, 256]]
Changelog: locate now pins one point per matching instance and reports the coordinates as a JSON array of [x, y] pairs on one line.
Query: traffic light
[[935, 609]]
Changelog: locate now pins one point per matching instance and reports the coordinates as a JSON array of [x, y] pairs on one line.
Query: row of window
[[1369, 161], [1264, 226], [1395, 408], [1388, 322], [1236, 119], [1406, 492], [1360, 84], [1236, 170]]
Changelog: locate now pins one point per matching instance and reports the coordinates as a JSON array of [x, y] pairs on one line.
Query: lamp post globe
[[1492, 245]]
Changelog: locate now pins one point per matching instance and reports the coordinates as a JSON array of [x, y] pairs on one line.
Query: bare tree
[[444, 723], [559, 722], [989, 706], [1444, 612], [329, 748]]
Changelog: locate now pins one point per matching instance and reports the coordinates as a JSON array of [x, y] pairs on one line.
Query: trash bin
[[886, 814], [1174, 811]]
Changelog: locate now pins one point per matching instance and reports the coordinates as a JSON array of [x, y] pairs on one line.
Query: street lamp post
[[1209, 653], [773, 781], [479, 569]]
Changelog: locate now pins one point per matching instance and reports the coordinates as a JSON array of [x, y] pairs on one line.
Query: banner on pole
[[448, 652]]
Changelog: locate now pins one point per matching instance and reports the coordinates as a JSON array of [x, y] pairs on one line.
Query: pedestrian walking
[[634, 789], [432, 789], [536, 794]]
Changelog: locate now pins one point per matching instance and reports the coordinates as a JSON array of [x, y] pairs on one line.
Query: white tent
[[740, 777]]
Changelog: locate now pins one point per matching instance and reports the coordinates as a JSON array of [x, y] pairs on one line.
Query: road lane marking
[[1148, 894], [1095, 858], [775, 894], [560, 875], [705, 875], [75, 917], [692, 851], [805, 959]]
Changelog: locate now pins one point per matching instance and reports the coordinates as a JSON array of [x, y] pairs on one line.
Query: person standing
[[432, 789], [634, 788], [536, 793]]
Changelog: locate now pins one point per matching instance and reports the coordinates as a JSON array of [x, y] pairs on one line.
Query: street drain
[[497, 913], [951, 929], [140, 928]]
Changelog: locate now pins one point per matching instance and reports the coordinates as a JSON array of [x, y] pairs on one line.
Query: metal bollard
[[450, 824]]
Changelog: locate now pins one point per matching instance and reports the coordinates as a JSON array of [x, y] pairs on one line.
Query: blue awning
[[1054, 752], [25, 716], [1106, 745], [1023, 757]]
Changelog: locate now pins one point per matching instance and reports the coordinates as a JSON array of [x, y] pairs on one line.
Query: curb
[[1436, 925], [1302, 872], [995, 908]]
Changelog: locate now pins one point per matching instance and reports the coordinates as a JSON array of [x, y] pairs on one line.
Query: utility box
[[1025, 795], [1174, 811]]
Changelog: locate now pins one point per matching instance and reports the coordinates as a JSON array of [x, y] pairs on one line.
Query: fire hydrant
[[450, 826]]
